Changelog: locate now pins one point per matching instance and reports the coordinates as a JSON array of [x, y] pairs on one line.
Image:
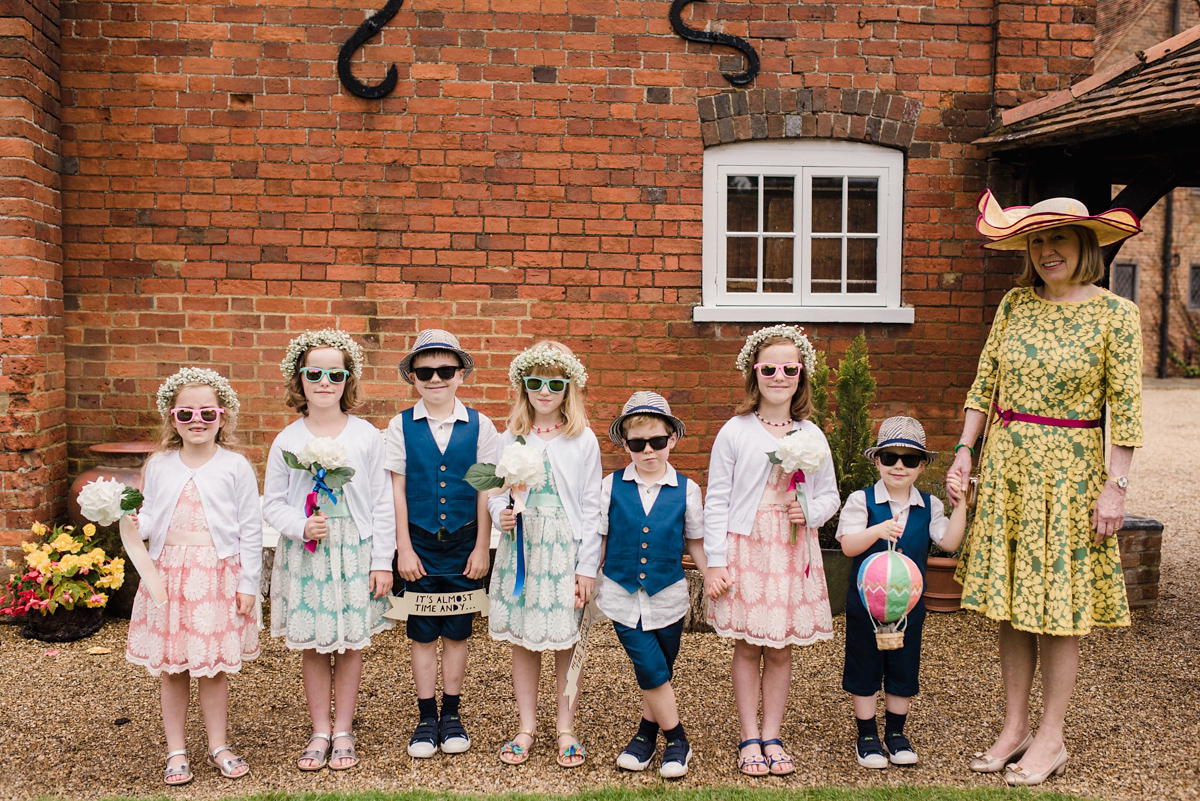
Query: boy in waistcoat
[[443, 530], [648, 513], [891, 510]]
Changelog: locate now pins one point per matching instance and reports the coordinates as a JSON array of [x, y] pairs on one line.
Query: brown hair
[[520, 419], [647, 417], [802, 407], [293, 391], [169, 439], [1091, 261]]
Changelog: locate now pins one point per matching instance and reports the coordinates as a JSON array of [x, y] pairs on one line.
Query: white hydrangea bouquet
[[107, 502], [327, 460], [519, 468], [799, 452]]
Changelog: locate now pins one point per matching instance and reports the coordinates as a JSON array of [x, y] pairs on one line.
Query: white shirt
[[229, 492], [670, 603], [737, 475], [854, 513], [575, 462], [369, 492], [485, 450]]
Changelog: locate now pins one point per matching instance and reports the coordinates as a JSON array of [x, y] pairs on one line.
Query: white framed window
[[802, 230], [1123, 279]]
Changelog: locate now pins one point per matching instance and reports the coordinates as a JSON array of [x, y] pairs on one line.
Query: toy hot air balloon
[[889, 584]]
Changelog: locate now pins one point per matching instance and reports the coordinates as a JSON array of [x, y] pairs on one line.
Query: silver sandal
[[183, 769], [226, 766], [318, 755], [343, 753]]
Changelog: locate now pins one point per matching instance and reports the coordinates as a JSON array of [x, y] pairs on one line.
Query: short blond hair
[[1091, 260]]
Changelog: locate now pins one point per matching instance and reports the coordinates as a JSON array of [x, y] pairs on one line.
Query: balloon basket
[[889, 640]]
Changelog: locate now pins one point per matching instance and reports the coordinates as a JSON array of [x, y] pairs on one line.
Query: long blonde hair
[[801, 408], [520, 419], [169, 439]]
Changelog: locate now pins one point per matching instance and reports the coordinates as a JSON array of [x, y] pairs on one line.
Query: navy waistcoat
[[645, 550]]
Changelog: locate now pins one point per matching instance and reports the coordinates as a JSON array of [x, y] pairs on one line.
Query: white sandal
[[318, 755], [343, 753], [226, 766], [183, 769]]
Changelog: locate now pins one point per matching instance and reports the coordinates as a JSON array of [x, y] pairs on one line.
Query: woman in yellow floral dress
[[1041, 557]]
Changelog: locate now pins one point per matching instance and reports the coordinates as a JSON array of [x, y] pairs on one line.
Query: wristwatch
[[1120, 481]]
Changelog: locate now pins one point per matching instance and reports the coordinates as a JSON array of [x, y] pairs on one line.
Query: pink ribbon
[[310, 506], [797, 478]]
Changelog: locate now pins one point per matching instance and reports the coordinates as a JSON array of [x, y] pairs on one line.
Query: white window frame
[[803, 159]]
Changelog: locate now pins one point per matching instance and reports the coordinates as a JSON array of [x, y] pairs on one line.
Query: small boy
[[891, 510], [648, 512], [443, 530]]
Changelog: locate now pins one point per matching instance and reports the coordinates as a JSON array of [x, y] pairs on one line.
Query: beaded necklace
[[764, 421]]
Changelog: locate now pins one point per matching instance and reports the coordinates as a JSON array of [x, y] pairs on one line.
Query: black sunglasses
[[445, 372], [911, 460], [313, 375], [638, 444]]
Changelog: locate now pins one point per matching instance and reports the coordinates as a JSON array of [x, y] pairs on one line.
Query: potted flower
[[62, 585]]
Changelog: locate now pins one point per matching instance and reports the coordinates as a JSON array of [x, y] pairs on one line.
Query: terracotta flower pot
[[942, 592]]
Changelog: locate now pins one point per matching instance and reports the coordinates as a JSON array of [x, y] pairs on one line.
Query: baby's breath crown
[[808, 355], [326, 337], [546, 356], [198, 375]]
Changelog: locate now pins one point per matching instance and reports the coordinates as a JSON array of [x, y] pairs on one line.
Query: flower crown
[[546, 356], [808, 355], [326, 337], [198, 375]]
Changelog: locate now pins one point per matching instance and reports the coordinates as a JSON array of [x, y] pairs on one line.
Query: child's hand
[[954, 489], [507, 520], [380, 583], [245, 603], [133, 516], [796, 513], [584, 586], [891, 530], [408, 564], [316, 527], [716, 582], [477, 563]]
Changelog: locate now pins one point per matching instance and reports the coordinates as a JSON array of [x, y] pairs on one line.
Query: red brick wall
[[33, 430], [535, 173]]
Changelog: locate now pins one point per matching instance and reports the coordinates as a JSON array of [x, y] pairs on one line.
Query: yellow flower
[[65, 543], [96, 555], [89, 530], [10, 564], [28, 547], [38, 529], [38, 561], [68, 562]]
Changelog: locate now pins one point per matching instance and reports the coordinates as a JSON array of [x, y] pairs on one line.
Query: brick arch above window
[[855, 115]]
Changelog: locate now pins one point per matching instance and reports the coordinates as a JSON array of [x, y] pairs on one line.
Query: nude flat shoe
[[1016, 775], [982, 763]]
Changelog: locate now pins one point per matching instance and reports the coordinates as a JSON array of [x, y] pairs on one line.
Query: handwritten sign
[[579, 653], [437, 604]]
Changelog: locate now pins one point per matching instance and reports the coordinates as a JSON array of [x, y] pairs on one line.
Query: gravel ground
[[87, 726]]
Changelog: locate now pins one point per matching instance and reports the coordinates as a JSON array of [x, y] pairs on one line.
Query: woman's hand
[[957, 476], [1108, 514]]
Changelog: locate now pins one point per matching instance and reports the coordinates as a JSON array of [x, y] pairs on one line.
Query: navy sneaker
[[900, 750], [870, 752], [637, 754], [675, 759]]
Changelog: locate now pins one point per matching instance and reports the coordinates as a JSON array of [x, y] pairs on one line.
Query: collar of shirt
[[459, 415], [669, 478], [881, 495]]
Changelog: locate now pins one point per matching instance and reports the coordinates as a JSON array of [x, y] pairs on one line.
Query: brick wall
[[536, 172], [32, 424]]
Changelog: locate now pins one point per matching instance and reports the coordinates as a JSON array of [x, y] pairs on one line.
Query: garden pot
[[120, 460], [942, 592], [65, 625], [837, 577]]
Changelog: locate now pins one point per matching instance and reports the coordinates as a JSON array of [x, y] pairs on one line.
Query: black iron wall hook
[[747, 50], [369, 28]]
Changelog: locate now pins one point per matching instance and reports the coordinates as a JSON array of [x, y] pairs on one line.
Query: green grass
[[666, 793]]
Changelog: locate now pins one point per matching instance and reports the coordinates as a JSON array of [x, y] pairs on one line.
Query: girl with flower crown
[[202, 519], [333, 566], [541, 611], [767, 588]]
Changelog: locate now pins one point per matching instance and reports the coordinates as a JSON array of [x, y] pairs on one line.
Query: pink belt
[[1007, 416]]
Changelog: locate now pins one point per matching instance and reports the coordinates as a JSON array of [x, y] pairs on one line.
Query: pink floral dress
[[198, 629], [778, 597]]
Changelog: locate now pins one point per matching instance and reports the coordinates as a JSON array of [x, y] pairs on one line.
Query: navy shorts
[[652, 652], [867, 667], [444, 561]]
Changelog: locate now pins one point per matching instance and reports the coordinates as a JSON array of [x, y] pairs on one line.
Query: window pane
[[1194, 287], [861, 265], [742, 206], [827, 265], [1121, 279], [778, 203], [862, 206], [741, 264], [827, 205], [777, 264]]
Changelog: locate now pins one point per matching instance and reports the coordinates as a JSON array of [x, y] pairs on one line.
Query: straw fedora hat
[[1009, 229], [435, 339], [900, 432], [644, 402]]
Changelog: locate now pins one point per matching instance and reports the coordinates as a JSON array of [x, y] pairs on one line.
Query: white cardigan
[[369, 492], [577, 476], [229, 492], [737, 475]]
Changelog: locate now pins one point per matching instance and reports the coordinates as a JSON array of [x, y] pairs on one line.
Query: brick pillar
[[1041, 47], [33, 433]]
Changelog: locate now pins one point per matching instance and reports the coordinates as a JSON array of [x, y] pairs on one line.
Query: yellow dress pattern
[[1030, 557]]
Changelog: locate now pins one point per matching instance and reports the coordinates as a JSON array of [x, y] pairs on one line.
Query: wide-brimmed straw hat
[[900, 432], [644, 402], [435, 339], [1009, 229]]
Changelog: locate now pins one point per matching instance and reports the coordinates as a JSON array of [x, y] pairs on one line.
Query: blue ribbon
[[519, 584], [319, 485]]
